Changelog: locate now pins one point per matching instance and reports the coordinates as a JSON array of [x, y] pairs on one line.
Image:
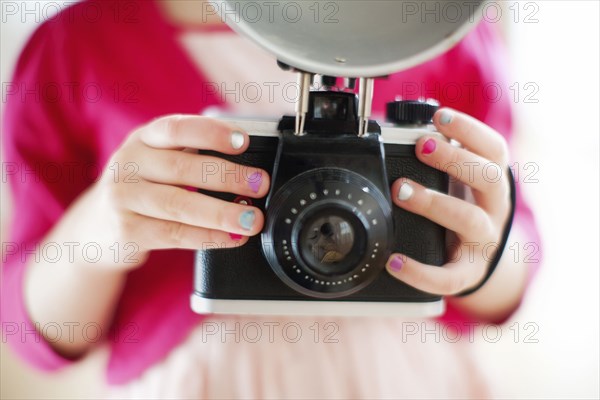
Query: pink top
[[80, 88]]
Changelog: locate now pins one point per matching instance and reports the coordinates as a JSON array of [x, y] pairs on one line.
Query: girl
[[111, 103]]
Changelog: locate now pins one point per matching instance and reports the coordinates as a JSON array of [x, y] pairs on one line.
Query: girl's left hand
[[481, 165]]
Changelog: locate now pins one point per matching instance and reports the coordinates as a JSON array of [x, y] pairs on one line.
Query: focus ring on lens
[[313, 190]]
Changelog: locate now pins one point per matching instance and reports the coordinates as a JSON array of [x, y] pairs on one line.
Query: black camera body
[[330, 224]]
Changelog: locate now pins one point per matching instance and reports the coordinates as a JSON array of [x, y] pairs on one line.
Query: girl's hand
[[149, 206], [481, 165], [140, 203]]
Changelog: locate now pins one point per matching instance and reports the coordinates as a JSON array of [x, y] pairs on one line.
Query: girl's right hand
[[151, 207]]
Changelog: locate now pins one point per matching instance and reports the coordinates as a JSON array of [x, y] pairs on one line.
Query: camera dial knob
[[411, 112]]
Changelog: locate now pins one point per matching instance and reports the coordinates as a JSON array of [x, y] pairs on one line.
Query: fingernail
[[254, 181], [445, 117], [396, 263], [406, 191], [237, 140], [428, 147], [235, 236], [247, 219]]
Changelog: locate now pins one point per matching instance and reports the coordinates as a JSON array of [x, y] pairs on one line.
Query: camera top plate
[[359, 38]]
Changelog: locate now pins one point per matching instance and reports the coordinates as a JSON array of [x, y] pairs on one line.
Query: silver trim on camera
[[389, 133], [202, 305]]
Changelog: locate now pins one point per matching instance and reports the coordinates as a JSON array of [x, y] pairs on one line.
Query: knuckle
[[116, 194], [454, 156], [499, 150], [125, 228], [469, 129], [172, 129], [182, 165], [454, 284], [211, 237], [505, 205], [491, 174], [176, 233], [220, 217], [173, 204], [487, 227], [476, 223]]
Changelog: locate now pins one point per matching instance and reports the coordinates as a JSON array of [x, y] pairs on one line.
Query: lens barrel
[[327, 232]]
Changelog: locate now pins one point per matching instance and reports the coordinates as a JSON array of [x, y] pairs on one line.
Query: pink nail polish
[[428, 147], [396, 264], [235, 236], [255, 181]]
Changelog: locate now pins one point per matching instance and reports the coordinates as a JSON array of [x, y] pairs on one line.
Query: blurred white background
[[560, 54]]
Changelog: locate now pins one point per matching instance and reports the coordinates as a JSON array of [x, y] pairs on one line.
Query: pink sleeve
[[47, 165]]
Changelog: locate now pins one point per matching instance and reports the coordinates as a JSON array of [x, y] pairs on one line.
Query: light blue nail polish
[[445, 117], [247, 219]]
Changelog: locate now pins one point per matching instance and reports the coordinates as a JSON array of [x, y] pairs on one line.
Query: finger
[[181, 131], [462, 165], [179, 205], [162, 234], [474, 135], [446, 280], [205, 172], [467, 220]]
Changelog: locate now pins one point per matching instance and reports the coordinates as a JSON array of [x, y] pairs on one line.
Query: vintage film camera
[[330, 223]]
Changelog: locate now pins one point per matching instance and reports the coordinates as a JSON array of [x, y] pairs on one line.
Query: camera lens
[[331, 241], [327, 232]]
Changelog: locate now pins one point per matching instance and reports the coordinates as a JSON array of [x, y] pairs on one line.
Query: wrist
[[502, 294], [90, 242]]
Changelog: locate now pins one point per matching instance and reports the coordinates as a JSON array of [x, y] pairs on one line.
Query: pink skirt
[[314, 358]]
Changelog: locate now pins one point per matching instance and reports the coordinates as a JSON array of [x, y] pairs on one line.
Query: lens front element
[[332, 241]]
